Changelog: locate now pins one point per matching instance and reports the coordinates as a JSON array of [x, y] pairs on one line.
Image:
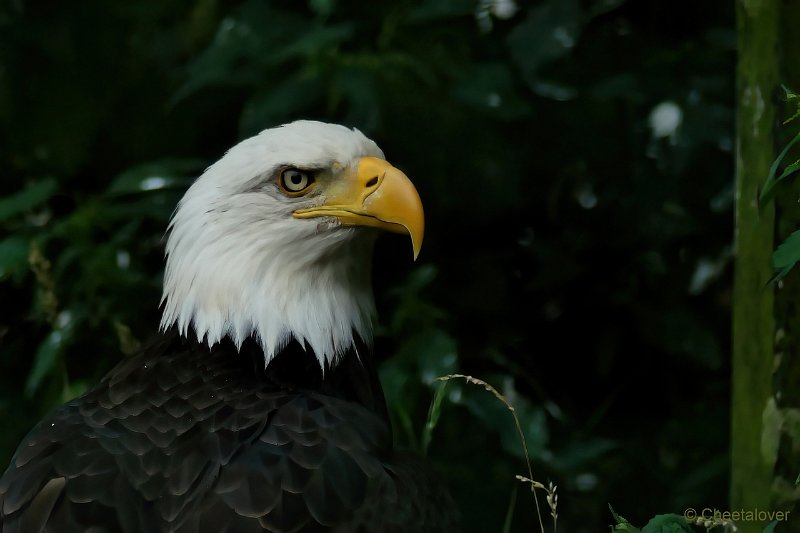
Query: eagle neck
[[296, 369]]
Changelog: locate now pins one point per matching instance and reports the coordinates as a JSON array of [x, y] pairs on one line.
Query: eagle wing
[[185, 440]]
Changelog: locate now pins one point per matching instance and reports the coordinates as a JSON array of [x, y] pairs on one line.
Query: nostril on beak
[[372, 182]]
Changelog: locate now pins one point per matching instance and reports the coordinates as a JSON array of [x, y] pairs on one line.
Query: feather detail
[[187, 438], [239, 264]]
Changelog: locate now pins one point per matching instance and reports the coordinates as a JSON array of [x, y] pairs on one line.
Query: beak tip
[[416, 246]]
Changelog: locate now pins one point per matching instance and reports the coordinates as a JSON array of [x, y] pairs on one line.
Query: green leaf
[[432, 10], [792, 96], [13, 256], [789, 170], [74, 389], [434, 412], [28, 198], [156, 175], [419, 278], [242, 54], [280, 103], [772, 181], [601, 7], [494, 415], [667, 523], [778, 275], [512, 504], [44, 362], [408, 376], [47, 355], [232, 56], [413, 311], [550, 32], [622, 525], [626, 528], [490, 89], [770, 527], [617, 518], [786, 256], [323, 8], [359, 90], [312, 41], [436, 353], [788, 253], [154, 206]]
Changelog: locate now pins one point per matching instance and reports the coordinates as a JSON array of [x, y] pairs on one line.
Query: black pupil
[[297, 178]]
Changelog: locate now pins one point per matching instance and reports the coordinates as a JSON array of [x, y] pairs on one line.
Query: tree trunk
[[753, 447]]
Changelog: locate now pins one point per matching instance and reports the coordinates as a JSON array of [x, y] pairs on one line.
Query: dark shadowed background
[[575, 159]]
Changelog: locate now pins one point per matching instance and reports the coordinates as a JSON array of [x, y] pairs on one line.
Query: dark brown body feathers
[[186, 438]]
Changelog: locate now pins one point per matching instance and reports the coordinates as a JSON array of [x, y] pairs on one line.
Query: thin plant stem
[[499, 396]]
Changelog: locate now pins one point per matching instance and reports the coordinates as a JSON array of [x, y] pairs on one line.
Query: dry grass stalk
[[534, 484]]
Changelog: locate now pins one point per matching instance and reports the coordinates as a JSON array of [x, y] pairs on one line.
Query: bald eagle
[[258, 407]]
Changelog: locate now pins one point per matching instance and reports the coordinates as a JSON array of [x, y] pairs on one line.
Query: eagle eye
[[295, 182]]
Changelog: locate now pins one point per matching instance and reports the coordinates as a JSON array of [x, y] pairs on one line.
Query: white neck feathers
[[239, 265]]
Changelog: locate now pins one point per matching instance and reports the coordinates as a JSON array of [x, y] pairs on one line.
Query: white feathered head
[[272, 241]]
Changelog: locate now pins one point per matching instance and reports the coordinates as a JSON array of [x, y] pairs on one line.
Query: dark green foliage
[[621, 523], [577, 254], [788, 253], [665, 523]]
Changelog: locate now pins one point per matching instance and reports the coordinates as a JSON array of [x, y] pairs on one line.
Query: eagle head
[[274, 241]]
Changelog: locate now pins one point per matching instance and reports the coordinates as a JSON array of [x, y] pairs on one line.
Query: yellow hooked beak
[[376, 195]]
